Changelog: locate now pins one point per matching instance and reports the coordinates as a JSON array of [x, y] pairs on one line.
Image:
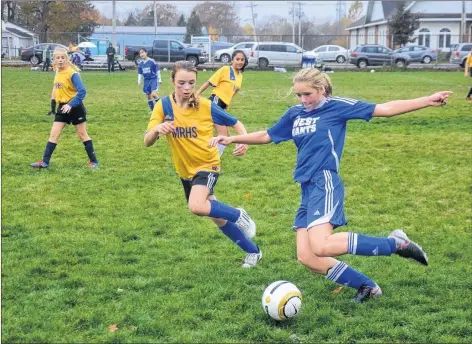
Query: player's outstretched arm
[[398, 107], [256, 138], [241, 148]]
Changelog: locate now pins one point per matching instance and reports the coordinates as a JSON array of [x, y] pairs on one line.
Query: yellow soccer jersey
[[468, 60], [189, 143], [65, 89], [226, 82]]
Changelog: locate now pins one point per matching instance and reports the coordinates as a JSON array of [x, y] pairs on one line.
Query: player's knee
[[311, 261], [320, 248], [197, 208]]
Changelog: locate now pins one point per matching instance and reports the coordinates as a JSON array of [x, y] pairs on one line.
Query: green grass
[[82, 249]]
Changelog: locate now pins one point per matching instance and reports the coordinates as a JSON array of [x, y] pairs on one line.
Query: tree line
[[60, 21]]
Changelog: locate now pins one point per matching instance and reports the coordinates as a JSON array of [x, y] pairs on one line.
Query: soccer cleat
[[50, 113], [366, 291], [39, 164], [407, 248], [246, 224], [252, 259], [93, 165]]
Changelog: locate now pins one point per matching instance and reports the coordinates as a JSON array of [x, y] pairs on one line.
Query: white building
[[440, 23], [15, 38]]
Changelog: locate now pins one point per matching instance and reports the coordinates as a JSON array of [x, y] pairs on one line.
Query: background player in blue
[[149, 69], [318, 129]]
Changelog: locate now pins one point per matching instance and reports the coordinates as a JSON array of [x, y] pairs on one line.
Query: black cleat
[[407, 248], [365, 292]]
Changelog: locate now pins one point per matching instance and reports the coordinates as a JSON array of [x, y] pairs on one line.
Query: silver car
[[459, 55], [224, 55], [332, 53], [419, 53]]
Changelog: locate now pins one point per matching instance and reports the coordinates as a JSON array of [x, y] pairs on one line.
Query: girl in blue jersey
[[318, 129], [149, 69]]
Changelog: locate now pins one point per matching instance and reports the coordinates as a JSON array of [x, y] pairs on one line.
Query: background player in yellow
[[468, 72], [69, 92], [188, 126], [227, 81]]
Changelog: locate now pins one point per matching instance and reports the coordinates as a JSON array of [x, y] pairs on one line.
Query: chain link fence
[[442, 45]]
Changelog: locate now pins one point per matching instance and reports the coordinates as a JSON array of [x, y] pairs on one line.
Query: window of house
[[444, 38], [424, 37]]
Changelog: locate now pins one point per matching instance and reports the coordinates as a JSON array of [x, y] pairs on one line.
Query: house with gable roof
[[441, 23]]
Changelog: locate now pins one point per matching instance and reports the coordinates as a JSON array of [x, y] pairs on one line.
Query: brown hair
[[188, 67], [315, 79]]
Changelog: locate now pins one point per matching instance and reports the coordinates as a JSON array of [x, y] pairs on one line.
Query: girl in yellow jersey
[[188, 126], [468, 72], [227, 81], [69, 92]]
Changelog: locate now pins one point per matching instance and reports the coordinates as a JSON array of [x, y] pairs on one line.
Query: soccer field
[[113, 255]]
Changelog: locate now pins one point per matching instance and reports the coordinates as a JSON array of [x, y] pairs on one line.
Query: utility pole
[[292, 12], [113, 23], [463, 23], [300, 14], [155, 20], [253, 19]]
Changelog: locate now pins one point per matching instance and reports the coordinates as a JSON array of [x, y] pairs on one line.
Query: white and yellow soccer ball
[[282, 300]]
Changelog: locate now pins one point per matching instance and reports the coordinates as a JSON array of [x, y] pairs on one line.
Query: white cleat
[[246, 224], [252, 259]]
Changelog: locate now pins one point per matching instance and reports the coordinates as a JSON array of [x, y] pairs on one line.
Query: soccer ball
[[372, 70], [282, 300]]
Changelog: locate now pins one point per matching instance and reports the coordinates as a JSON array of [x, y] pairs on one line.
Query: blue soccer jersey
[[149, 69], [319, 134]]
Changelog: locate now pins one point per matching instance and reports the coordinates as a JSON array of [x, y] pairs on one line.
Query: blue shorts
[[322, 201], [150, 86]]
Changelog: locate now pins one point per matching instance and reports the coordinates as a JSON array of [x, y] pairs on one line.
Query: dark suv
[[377, 55]]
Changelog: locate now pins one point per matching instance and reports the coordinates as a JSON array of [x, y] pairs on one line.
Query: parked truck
[[166, 50]]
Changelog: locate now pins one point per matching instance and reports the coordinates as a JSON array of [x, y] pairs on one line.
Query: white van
[[277, 54]]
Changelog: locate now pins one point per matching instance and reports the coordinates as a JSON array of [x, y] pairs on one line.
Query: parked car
[[459, 55], [167, 50], [281, 54], [332, 53], [224, 55], [419, 53], [377, 55], [34, 54]]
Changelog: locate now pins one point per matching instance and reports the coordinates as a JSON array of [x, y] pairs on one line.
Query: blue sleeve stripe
[[167, 107], [221, 117], [81, 91]]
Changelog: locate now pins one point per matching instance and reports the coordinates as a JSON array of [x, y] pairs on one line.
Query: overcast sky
[[318, 11]]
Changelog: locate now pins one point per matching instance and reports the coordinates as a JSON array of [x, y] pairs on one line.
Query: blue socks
[[223, 211], [232, 231], [364, 245], [50, 146], [151, 104], [90, 151], [343, 274]]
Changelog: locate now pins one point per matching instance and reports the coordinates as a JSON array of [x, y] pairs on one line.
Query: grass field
[[113, 255]]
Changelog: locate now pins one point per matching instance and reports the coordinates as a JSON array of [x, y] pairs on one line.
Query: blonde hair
[[188, 67], [65, 52], [315, 79]]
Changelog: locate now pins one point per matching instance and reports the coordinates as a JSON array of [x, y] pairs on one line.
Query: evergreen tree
[[194, 26], [182, 21], [403, 24]]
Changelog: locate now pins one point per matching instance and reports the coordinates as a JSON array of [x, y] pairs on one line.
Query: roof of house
[[19, 33], [389, 8], [16, 30]]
